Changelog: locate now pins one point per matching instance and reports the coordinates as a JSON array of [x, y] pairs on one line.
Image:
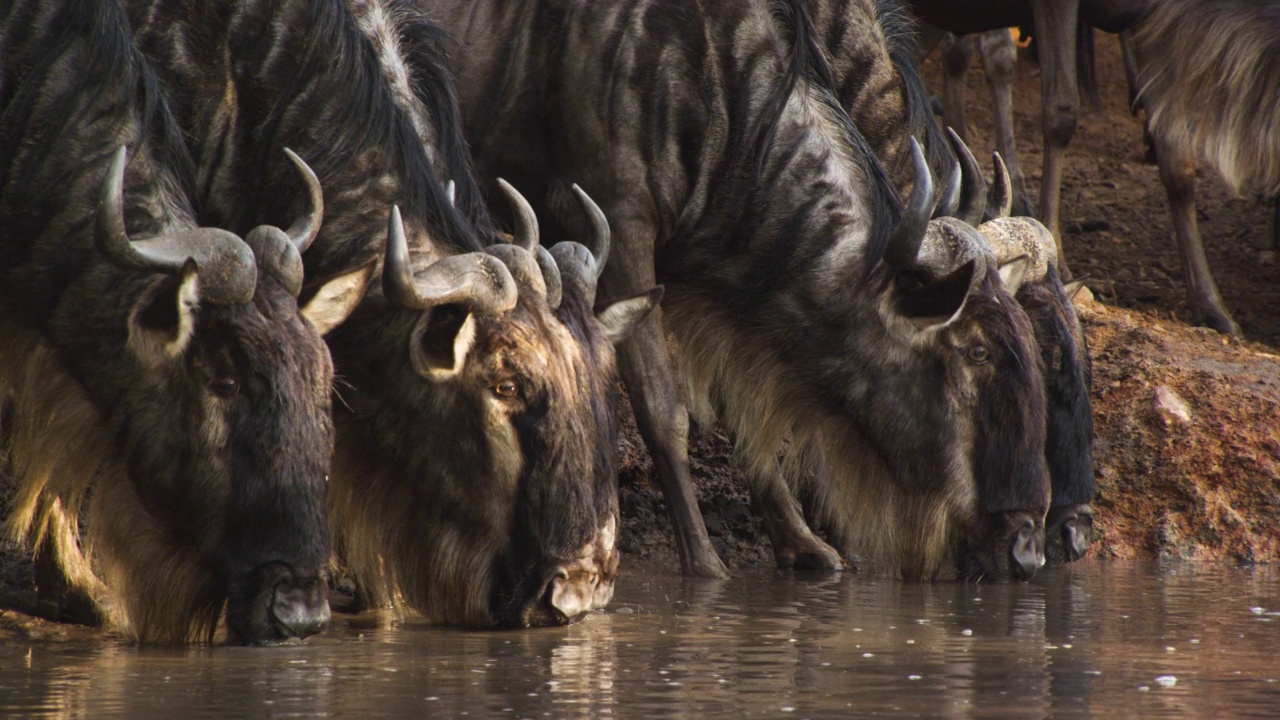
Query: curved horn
[[1000, 199], [904, 243], [550, 276], [228, 272], [577, 268], [478, 281], [526, 235], [304, 230], [973, 187], [601, 234], [451, 192], [112, 239], [949, 199]]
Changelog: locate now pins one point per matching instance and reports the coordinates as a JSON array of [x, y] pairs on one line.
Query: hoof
[[817, 555]]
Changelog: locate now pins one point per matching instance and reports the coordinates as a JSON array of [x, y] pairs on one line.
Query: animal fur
[[1209, 75]]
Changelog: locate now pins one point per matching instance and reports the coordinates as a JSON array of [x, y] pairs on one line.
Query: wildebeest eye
[[978, 354], [225, 385], [506, 389]]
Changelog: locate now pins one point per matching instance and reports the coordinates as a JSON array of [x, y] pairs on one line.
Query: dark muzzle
[[273, 603], [1005, 546]]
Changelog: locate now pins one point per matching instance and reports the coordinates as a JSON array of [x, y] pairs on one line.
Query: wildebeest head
[[225, 427], [501, 507], [1068, 382], [955, 446]]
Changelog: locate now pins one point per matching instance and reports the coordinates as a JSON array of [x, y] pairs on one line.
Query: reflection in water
[[1097, 640]]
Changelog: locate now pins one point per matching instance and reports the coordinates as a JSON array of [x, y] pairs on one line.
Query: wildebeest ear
[[337, 299], [937, 303], [1014, 272], [621, 317], [163, 322], [441, 340]]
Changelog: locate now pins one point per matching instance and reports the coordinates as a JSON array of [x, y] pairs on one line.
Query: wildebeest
[[167, 418], [886, 102], [1209, 79], [805, 304], [1055, 24], [475, 470]]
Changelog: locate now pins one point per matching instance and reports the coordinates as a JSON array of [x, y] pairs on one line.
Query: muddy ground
[[1207, 487], [1195, 475]]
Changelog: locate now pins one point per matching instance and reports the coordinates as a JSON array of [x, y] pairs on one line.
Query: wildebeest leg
[[957, 53], [1055, 23], [1130, 56], [999, 61], [1178, 173], [929, 37], [794, 544], [1275, 226], [56, 598], [661, 414]]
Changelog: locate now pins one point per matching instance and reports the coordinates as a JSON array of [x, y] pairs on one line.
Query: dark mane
[[809, 61], [116, 87], [368, 117], [899, 29], [426, 49]]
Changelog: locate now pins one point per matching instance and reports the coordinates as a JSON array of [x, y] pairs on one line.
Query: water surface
[[1100, 639]]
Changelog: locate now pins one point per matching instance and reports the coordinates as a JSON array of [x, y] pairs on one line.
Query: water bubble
[[914, 677], [1143, 688], [966, 632], [1166, 680], [868, 655]]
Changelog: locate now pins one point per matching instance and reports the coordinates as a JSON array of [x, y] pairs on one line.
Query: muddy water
[[1103, 639]]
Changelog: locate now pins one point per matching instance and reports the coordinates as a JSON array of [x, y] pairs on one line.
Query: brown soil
[[1205, 487]]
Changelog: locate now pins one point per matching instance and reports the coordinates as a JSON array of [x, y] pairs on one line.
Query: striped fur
[[787, 320], [1210, 82], [1057, 329], [446, 499], [158, 498]]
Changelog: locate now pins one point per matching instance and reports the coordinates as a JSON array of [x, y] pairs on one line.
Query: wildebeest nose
[[1027, 553], [301, 607]]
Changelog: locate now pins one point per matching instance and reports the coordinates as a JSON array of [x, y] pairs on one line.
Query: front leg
[[957, 53], [794, 544], [1000, 61], [1055, 23], [661, 414]]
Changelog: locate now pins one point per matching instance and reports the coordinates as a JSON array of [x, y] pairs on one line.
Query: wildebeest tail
[[1209, 75]]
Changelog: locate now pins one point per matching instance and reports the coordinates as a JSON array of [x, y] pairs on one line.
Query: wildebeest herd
[[358, 372]]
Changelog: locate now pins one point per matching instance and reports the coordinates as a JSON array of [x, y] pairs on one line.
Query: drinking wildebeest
[[475, 470], [1209, 78], [167, 421], [805, 302], [881, 101]]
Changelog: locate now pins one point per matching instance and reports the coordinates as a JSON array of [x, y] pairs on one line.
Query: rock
[[1171, 407]]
